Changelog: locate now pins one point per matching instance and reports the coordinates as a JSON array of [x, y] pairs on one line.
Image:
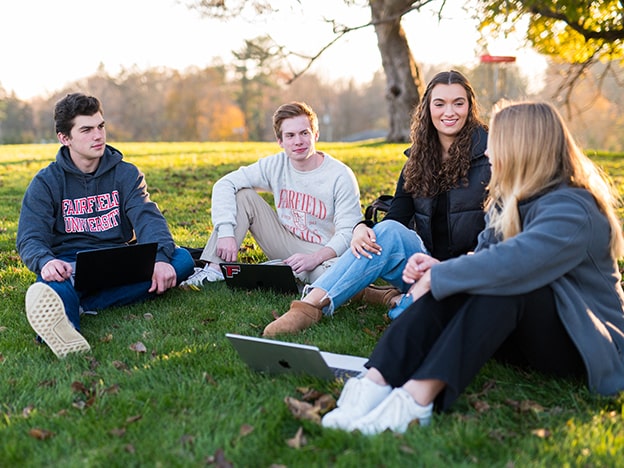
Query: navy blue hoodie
[[65, 210]]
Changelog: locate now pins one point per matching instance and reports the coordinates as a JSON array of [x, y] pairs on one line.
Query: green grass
[[189, 401]]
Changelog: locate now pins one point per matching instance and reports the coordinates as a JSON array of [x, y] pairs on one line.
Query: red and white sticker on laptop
[[231, 270]]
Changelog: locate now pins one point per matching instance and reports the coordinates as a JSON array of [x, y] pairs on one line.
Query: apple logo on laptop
[[284, 363]]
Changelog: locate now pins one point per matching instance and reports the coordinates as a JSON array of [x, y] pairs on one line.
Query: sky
[[46, 44]]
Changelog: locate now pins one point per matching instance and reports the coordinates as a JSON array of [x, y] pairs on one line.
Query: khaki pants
[[255, 215]]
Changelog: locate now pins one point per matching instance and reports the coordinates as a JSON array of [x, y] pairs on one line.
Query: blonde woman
[[542, 289]]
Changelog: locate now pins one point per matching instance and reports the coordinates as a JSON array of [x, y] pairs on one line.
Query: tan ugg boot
[[300, 316], [373, 294]]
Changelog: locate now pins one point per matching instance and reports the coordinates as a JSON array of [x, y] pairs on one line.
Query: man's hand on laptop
[[302, 262], [164, 277], [56, 270]]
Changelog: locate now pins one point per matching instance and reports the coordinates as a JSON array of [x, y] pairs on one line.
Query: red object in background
[[497, 58]]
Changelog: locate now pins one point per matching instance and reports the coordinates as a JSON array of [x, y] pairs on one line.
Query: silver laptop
[[280, 357]]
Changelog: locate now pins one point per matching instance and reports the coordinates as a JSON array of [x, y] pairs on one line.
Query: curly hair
[[425, 173]]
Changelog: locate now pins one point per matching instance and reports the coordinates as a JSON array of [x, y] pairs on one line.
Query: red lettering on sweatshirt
[[90, 204], [78, 213], [303, 208], [303, 202]]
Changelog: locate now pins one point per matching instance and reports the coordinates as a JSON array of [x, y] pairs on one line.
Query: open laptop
[[274, 276], [110, 267], [280, 357]]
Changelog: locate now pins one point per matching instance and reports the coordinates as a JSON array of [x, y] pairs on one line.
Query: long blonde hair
[[532, 151]]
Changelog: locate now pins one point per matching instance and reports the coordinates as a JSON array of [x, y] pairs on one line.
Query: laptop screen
[[110, 267]]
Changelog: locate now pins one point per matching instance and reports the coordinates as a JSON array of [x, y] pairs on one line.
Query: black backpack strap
[[380, 204]]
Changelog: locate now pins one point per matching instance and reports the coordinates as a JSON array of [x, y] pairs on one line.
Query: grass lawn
[[162, 387]]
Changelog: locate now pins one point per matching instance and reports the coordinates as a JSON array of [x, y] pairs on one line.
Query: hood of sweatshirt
[[108, 161]]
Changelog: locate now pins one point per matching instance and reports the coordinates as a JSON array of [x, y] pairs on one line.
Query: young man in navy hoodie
[[88, 198]]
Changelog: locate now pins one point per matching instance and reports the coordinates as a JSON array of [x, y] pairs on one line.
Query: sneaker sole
[[46, 314]]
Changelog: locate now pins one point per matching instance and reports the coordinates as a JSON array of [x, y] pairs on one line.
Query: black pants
[[450, 340]]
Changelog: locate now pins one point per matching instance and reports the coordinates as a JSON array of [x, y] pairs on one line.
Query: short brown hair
[[290, 110], [71, 106]]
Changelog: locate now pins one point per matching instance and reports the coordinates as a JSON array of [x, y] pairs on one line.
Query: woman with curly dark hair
[[437, 209]]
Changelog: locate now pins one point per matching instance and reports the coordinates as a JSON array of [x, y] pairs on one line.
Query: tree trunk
[[403, 79]]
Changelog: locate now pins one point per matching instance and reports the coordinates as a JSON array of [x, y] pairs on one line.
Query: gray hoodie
[[564, 244], [65, 210]]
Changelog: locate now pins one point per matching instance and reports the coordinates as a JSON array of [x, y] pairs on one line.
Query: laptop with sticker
[[99, 269], [280, 357], [277, 277]]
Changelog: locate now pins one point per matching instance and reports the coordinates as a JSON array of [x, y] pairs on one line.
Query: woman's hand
[[364, 242], [420, 287], [417, 265]]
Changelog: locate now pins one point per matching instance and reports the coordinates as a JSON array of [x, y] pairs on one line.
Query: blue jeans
[[349, 274], [73, 300]]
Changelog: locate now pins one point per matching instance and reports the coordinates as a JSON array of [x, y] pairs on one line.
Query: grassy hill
[[189, 401]]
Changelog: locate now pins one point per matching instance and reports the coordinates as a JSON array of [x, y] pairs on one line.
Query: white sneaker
[[358, 397], [202, 275], [46, 314], [396, 413]]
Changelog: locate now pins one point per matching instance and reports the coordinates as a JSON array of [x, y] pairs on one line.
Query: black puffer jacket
[[465, 214]]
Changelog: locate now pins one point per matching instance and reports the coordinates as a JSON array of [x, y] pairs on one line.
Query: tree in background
[[403, 79], [579, 33], [256, 68]]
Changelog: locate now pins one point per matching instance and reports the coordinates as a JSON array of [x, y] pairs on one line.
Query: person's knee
[[387, 228], [247, 196], [182, 263]]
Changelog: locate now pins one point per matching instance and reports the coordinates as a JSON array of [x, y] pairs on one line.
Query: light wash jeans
[[349, 274], [73, 300]]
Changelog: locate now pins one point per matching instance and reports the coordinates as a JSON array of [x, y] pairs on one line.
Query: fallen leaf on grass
[[481, 406], [90, 395], [138, 347], [113, 389], [148, 316], [302, 409], [26, 412], [542, 433], [219, 459], [187, 440], [308, 394], [209, 379], [298, 441], [525, 406], [121, 366], [47, 383], [79, 387], [407, 449], [107, 338], [246, 429], [40, 434], [133, 419], [129, 448], [1, 358], [118, 432], [3, 329]]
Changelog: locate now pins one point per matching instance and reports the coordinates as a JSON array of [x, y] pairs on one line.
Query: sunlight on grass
[[187, 400]]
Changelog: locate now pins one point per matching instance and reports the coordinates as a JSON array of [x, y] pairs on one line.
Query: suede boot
[[373, 294], [300, 316]]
